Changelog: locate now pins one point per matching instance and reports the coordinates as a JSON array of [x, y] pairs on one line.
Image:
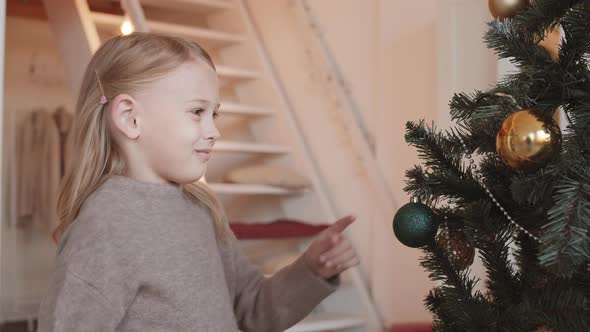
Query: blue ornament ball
[[415, 224]]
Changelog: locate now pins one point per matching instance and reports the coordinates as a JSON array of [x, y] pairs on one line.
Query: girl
[[144, 246]]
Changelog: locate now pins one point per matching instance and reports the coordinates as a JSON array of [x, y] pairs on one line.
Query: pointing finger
[[341, 224]]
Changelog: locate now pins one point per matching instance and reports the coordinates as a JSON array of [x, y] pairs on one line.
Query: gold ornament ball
[[507, 8], [526, 143]]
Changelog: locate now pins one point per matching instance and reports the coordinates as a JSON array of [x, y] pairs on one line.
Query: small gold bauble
[[526, 143], [507, 8]]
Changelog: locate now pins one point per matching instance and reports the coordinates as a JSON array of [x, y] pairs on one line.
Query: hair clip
[[103, 99]]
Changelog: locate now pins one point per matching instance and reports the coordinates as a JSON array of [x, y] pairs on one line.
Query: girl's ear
[[125, 116]]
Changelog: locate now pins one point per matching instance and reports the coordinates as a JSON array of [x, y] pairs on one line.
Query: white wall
[[33, 78]]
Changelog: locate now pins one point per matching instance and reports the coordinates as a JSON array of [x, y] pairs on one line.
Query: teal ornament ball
[[415, 224]]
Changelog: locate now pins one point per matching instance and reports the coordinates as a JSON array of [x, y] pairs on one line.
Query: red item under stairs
[[278, 229]]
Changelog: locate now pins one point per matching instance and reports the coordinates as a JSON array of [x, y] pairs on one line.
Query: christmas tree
[[524, 205]]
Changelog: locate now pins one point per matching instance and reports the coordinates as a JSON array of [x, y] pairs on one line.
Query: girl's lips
[[204, 154]]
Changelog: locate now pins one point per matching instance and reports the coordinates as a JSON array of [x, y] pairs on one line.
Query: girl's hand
[[331, 252]]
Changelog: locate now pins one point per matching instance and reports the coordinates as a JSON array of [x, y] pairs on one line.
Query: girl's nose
[[212, 133]]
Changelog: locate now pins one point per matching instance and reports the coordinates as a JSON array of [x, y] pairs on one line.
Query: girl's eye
[[198, 111]]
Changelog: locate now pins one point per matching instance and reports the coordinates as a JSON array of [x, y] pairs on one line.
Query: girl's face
[[177, 123]]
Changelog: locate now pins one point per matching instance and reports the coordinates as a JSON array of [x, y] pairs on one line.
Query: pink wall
[[403, 61], [386, 50], [406, 91]]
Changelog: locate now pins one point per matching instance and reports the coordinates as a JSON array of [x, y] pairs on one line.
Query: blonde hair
[[122, 64]]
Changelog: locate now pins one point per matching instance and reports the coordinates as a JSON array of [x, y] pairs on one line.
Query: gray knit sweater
[[142, 257]]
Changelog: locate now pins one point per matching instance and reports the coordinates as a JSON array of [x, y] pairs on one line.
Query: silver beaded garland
[[473, 168]]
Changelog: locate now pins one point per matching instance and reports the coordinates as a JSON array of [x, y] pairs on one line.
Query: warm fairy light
[[126, 27]]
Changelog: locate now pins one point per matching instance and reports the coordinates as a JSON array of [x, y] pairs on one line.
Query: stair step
[[236, 108], [236, 74], [208, 38], [192, 6], [326, 322], [234, 146], [250, 189]]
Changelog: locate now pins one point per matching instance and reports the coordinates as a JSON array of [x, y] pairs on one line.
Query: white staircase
[[256, 127]]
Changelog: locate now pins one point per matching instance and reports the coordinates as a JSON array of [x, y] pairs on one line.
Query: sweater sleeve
[[72, 304], [274, 303]]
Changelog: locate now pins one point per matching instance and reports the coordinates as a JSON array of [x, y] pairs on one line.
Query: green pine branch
[[566, 235], [544, 15], [529, 271], [517, 45], [558, 304], [547, 283], [576, 27], [445, 177], [456, 304], [501, 282], [433, 147], [478, 117]]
